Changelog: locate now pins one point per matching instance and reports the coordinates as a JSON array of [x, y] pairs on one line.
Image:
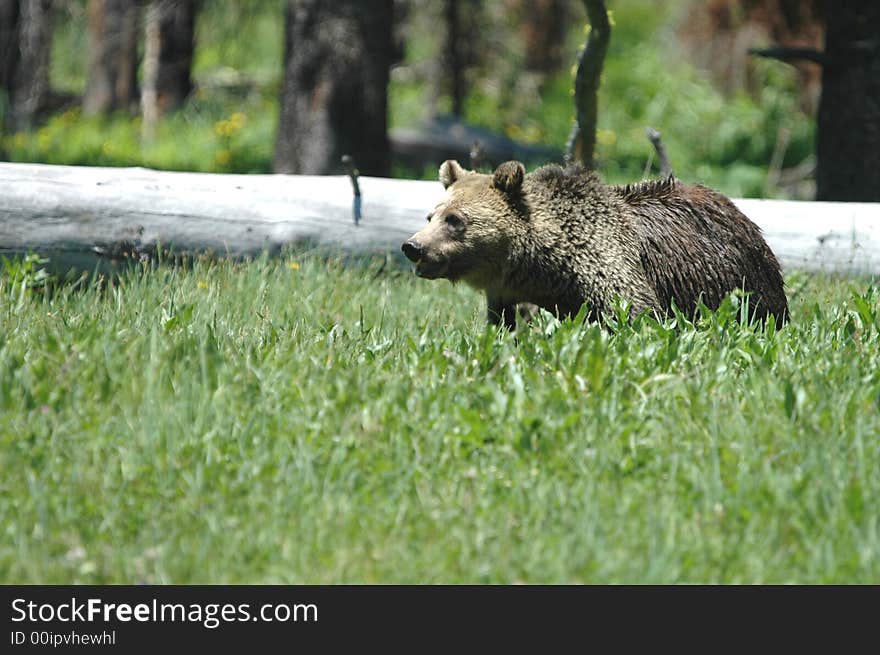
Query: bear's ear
[[508, 177], [450, 171]]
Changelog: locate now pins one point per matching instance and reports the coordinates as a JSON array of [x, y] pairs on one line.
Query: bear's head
[[469, 233]]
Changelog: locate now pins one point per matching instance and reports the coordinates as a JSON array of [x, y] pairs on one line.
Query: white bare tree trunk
[[82, 215]]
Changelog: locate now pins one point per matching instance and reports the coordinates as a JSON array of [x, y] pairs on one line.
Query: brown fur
[[559, 238]]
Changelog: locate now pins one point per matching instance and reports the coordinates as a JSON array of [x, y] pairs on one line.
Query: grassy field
[[314, 421]]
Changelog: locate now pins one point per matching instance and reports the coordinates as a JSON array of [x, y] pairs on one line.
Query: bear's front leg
[[501, 313], [527, 311]]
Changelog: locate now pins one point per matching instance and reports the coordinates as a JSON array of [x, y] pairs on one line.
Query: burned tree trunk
[[460, 53], [8, 61], [586, 84], [177, 20], [113, 57], [453, 55], [25, 45], [544, 25], [334, 96], [9, 10], [458, 50], [848, 136], [169, 28]]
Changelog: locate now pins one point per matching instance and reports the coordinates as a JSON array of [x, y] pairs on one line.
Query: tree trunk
[[582, 141], [27, 40], [8, 60], [113, 60], [334, 97], [544, 24], [150, 82], [848, 137], [454, 55], [168, 53], [460, 51], [176, 39], [9, 10]]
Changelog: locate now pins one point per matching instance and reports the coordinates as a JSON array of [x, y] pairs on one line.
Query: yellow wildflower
[[222, 157], [222, 128], [606, 137]]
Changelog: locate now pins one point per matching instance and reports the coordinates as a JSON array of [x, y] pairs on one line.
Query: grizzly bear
[[560, 237]]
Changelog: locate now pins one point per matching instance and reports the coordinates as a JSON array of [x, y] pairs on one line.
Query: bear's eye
[[454, 221], [429, 216]]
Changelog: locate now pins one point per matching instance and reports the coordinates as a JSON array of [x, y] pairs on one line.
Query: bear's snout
[[429, 262], [413, 250]]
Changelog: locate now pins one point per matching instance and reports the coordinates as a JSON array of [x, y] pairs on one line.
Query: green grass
[[215, 140], [313, 421]]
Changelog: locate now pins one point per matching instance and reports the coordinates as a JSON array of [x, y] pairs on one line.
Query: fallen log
[[444, 138], [83, 217], [832, 237]]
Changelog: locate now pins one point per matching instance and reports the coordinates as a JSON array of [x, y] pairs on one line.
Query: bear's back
[[695, 243]]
